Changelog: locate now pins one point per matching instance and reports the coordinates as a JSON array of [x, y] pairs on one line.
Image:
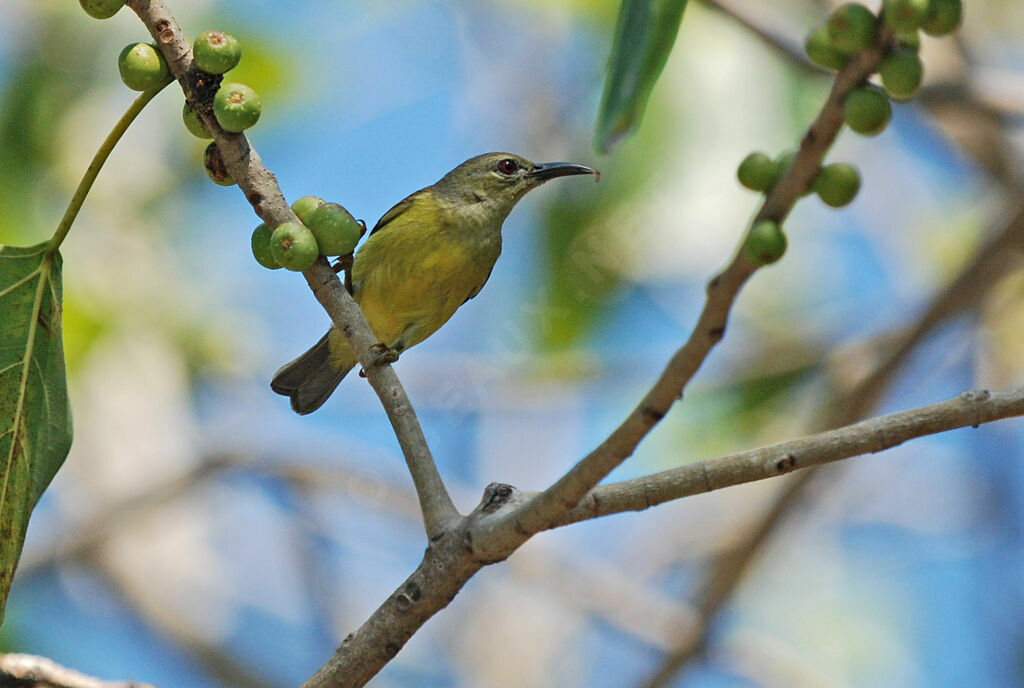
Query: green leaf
[[644, 35], [35, 418]]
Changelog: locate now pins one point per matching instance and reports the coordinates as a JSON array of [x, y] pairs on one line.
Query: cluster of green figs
[[323, 229], [850, 29]]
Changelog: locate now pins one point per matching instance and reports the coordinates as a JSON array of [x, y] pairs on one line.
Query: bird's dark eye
[[508, 166]]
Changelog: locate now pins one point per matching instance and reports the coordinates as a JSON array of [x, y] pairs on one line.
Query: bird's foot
[[383, 354]]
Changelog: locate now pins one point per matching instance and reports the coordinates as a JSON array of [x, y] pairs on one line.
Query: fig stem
[[91, 172]]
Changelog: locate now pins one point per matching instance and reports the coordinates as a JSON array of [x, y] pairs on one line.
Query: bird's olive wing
[[399, 208]]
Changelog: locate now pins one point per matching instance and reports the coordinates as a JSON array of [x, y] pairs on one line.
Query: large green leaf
[[644, 35], [35, 418]]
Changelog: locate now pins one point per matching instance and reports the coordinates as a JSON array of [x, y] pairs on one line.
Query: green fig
[[765, 243], [336, 231], [261, 247], [216, 52], [837, 184], [294, 246], [867, 110], [237, 107], [142, 67]]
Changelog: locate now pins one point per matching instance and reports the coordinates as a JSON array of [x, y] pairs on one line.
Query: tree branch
[[31, 671], [262, 192], [545, 508], [866, 437], [505, 518], [1002, 252], [793, 52]]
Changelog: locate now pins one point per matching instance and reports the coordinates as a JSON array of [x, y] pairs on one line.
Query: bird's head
[[497, 181]]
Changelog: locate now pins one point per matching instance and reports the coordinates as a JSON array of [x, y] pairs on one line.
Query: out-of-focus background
[[200, 534]]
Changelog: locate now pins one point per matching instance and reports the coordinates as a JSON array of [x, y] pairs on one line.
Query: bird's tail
[[310, 379]]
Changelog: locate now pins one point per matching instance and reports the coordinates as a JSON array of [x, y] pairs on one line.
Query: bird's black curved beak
[[549, 170]]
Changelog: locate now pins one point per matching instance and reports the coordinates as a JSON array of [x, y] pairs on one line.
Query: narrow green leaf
[[644, 35], [35, 418]]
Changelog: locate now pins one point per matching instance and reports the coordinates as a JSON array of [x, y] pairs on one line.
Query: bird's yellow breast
[[414, 273]]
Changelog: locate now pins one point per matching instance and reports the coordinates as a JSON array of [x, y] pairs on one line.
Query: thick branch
[[261, 190], [30, 671], [867, 437]]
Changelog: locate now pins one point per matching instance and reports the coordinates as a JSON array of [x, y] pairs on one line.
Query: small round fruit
[[237, 107], [194, 125], [943, 17], [304, 207], [867, 110], [101, 9], [765, 243], [904, 16], [822, 51], [261, 247], [757, 172], [852, 27], [294, 246], [216, 52], [142, 67], [215, 167], [837, 184], [910, 40], [784, 160], [336, 231], [901, 73]]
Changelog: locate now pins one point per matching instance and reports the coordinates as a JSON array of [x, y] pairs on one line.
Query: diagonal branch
[[262, 192], [997, 257], [867, 437], [544, 509]]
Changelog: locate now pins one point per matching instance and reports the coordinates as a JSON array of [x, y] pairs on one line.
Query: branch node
[[495, 496], [413, 591], [783, 465], [973, 398], [651, 414]]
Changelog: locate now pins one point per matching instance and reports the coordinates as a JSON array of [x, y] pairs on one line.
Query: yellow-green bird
[[427, 256]]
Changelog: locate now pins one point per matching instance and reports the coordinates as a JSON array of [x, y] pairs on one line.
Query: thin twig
[[784, 47], [262, 192], [866, 437]]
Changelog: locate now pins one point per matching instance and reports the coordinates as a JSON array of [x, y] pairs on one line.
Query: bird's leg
[[344, 264], [383, 354]]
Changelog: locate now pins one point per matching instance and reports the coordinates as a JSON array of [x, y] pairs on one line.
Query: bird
[[426, 257]]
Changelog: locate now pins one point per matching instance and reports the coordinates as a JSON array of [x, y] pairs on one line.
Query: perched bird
[[427, 256]]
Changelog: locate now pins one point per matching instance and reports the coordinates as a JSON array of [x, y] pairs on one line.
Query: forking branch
[[996, 258], [545, 508], [505, 518]]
